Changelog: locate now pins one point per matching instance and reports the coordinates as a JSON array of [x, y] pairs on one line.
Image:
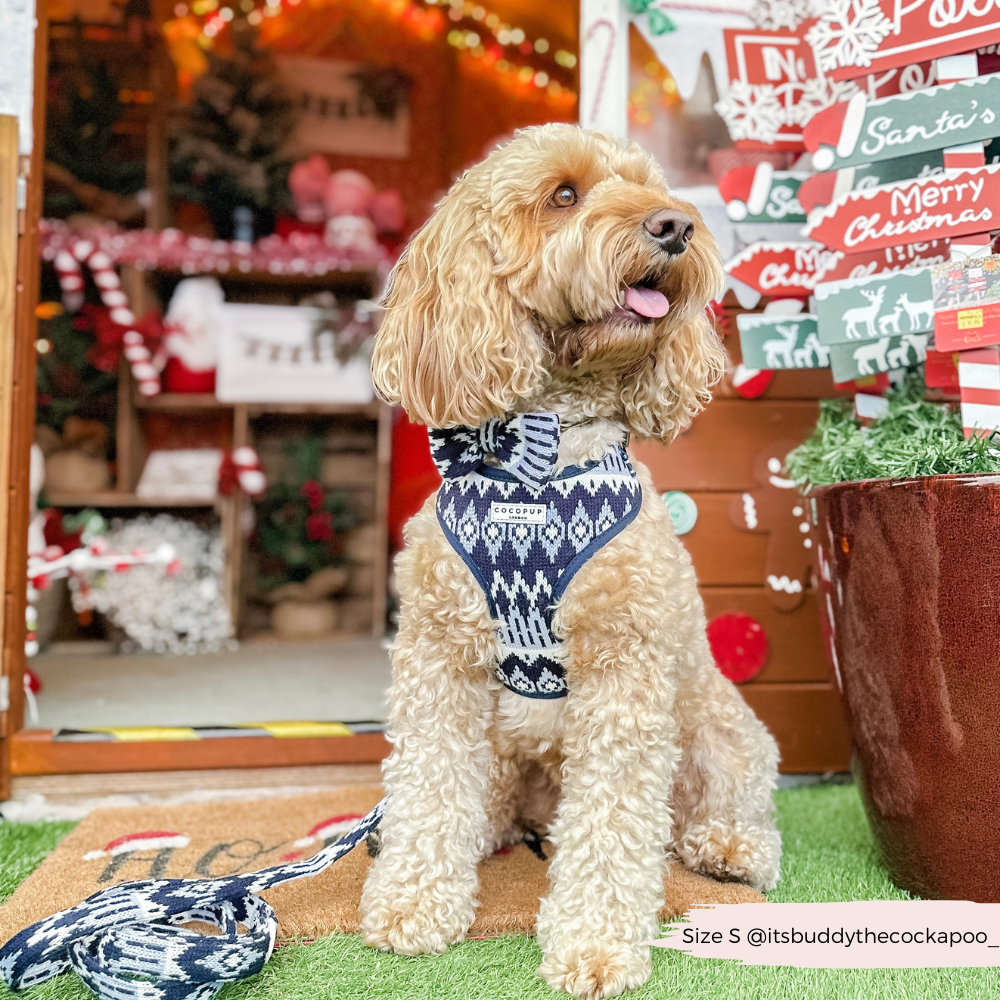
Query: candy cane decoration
[[68, 267], [94, 558]]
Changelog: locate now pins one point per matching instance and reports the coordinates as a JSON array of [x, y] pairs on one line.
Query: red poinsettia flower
[[319, 526], [313, 492]]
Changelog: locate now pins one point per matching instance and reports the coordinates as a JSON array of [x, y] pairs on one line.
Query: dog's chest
[[529, 727], [524, 545]]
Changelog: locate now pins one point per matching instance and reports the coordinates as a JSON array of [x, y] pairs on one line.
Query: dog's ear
[[674, 382], [453, 347]]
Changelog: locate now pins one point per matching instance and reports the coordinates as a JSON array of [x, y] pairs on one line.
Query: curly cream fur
[[504, 304]]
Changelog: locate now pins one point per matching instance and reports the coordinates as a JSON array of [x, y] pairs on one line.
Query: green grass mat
[[829, 855]]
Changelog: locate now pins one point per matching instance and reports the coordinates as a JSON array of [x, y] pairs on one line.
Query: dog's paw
[[594, 971], [732, 853], [413, 929]]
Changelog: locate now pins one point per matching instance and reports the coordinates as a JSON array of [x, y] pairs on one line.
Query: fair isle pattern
[[524, 568], [125, 943]]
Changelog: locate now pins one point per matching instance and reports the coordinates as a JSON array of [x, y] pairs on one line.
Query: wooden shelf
[[113, 499], [352, 277], [370, 410], [180, 401]]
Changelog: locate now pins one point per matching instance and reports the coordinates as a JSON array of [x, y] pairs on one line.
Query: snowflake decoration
[[774, 15], [848, 34], [163, 611], [752, 111], [820, 93]]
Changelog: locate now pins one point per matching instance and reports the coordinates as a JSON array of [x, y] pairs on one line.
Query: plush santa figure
[[191, 329]]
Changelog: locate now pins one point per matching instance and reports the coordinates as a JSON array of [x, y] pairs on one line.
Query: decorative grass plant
[[916, 438]]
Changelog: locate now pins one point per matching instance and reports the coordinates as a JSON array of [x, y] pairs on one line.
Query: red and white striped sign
[[979, 384]]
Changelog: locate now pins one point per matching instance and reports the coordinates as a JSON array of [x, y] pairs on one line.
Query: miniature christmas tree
[[227, 155]]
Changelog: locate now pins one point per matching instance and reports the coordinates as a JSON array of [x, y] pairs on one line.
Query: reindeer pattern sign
[[776, 342], [852, 361], [871, 308]]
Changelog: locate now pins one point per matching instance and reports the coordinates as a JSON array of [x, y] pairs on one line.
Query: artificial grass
[[916, 438], [829, 855]]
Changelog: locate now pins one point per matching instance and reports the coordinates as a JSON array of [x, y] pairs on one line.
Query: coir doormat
[[209, 839]]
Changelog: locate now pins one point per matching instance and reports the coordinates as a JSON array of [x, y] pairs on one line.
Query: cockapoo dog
[[551, 670]]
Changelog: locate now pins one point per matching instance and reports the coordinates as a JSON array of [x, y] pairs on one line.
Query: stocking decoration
[[776, 508], [68, 265]]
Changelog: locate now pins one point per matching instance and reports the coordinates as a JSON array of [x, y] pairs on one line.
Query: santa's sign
[[862, 131], [964, 202], [781, 269], [762, 194], [855, 37]]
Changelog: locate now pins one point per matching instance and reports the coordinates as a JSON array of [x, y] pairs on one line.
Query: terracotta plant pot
[[910, 574]]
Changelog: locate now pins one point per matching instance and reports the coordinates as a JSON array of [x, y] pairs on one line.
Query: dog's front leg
[[420, 893], [620, 755]]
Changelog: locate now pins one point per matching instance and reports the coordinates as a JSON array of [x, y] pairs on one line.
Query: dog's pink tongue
[[647, 301]]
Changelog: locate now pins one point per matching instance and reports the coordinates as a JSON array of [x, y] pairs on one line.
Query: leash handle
[[126, 942]]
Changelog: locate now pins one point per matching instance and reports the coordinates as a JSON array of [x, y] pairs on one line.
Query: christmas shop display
[[173, 608], [300, 541], [227, 154]]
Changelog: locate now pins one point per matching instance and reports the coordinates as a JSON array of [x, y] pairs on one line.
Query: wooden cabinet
[[714, 462], [356, 460]]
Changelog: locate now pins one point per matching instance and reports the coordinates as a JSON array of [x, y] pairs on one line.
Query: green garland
[[916, 438]]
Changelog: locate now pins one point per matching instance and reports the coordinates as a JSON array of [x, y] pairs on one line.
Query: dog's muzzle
[[670, 229]]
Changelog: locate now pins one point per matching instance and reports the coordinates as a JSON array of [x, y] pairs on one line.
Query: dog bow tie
[[526, 446]]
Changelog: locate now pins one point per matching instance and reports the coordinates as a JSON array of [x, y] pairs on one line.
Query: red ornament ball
[[739, 646]]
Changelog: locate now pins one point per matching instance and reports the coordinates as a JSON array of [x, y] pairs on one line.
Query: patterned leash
[[125, 942]]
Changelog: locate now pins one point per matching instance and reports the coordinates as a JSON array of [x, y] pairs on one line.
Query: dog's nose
[[671, 229]]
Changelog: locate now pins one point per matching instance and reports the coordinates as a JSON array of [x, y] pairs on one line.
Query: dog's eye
[[564, 197]]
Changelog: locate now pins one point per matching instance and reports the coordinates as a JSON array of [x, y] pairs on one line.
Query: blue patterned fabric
[[524, 536], [125, 942]]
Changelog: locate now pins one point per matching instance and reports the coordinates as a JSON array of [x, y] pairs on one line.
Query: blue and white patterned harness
[[525, 533], [127, 942]]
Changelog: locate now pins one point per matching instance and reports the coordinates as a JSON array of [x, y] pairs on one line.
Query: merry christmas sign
[[960, 203], [777, 269], [884, 261], [855, 37], [863, 131]]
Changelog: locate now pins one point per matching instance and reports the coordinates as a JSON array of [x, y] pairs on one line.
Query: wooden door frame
[[18, 418]]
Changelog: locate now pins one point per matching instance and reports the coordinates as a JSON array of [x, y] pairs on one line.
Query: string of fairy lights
[[472, 28]]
